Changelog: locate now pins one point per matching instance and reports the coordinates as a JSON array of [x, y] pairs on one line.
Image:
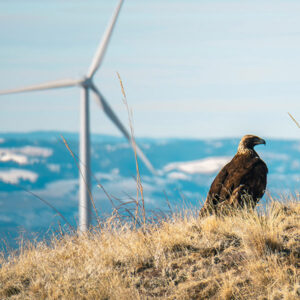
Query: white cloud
[[54, 167], [21, 155], [177, 175], [34, 151], [59, 188], [297, 146], [6, 156], [295, 165], [113, 175], [276, 156], [112, 148], [203, 166], [15, 175]]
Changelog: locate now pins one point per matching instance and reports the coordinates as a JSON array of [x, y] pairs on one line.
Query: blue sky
[[190, 68]]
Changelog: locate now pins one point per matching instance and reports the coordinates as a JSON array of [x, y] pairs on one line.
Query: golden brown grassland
[[243, 256]]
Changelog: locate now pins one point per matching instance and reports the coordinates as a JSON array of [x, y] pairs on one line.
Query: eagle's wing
[[252, 184], [240, 176], [213, 197]]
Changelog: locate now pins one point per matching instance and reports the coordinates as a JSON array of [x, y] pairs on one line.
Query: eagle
[[242, 182]]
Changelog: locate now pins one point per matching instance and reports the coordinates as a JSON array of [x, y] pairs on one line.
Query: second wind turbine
[[86, 84]]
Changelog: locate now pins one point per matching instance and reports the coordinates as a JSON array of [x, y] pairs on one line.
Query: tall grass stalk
[[133, 142]]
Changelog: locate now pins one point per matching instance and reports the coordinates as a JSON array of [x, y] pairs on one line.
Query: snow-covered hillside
[[40, 163]]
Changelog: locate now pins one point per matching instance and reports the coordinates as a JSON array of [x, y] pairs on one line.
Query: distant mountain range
[[40, 163]]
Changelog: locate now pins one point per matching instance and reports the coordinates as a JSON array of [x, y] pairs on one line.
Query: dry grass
[[243, 256]]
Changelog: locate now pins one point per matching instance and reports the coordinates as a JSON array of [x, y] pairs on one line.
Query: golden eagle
[[241, 182]]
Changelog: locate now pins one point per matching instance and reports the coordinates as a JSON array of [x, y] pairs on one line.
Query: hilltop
[[247, 255]]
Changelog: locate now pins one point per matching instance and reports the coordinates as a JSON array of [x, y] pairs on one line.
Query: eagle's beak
[[260, 141]]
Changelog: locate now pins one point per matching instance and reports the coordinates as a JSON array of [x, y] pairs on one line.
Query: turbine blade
[[109, 112], [104, 42], [43, 86]]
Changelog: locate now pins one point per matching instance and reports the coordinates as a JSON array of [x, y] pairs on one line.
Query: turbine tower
[[86, 84]]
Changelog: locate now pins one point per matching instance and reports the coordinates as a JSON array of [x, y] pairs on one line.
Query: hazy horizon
[[142, 136]]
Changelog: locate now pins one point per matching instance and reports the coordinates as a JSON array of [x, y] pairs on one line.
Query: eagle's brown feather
[[242, 181]]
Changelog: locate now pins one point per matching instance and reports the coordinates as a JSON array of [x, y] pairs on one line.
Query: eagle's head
[[248, 142]]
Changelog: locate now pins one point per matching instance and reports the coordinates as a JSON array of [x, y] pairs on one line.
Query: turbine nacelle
[[87, 82]]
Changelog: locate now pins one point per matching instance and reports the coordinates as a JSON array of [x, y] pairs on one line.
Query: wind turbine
[[86, 84]]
